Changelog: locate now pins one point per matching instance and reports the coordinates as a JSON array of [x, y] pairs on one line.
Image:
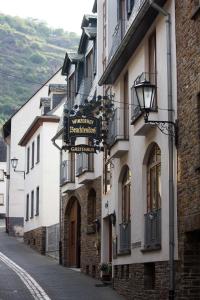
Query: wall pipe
[[171, 150], [60, 204]]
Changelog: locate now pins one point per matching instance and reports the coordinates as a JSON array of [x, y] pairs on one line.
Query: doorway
[[74, 234]]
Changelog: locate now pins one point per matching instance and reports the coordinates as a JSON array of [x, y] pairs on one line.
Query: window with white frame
[[1, 199], [33, 155], [27, 207], [38, 149], [32, 204], [37, 201], [126, 190], [154, 179], [28, 160]]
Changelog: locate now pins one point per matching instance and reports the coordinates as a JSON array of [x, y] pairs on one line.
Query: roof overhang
[[71, 58], [130, 42], [34, 127]]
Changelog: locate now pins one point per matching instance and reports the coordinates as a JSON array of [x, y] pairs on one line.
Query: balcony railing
[[67, 171], [152, 230], [125, 238], [84, 163], [122, 26], [118, 127]]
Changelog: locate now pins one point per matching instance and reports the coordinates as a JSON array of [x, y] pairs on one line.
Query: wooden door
[[74, 235]]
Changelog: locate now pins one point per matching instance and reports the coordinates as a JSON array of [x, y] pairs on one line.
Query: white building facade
[[139, 195], [13, 131]]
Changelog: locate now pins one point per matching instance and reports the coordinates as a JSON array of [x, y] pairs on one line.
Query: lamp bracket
[[18, 171], [166, 127]]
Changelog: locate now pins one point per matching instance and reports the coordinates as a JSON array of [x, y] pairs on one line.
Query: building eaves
[[91, 32], [71, 58], [39, 120], [88, 18], [7, 124], [130, 42]]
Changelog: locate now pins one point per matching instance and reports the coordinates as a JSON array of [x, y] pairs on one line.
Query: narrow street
[[25, 275]]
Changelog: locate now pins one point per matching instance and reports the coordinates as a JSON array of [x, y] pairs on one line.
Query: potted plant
[[106, 269]]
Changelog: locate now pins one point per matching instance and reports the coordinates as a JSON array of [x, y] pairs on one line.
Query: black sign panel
[[82, 148], [84, 127]]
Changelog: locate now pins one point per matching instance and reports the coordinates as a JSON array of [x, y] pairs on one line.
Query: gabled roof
[[71, 58], [91, 32], [89, 19], [39, 120], [7, 125]]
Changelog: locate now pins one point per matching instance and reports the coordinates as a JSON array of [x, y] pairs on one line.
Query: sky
[[66, 14]]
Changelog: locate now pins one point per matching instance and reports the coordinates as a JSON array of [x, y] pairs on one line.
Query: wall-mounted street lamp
[[14, 163], [145, 93]]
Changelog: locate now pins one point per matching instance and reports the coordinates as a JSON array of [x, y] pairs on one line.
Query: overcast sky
[[66, 14]]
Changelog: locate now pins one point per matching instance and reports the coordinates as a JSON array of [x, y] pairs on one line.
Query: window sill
[[31, 217], [124, 252], [36, 215], [37, 162], [26, 220], [32, 167], [155, 247]]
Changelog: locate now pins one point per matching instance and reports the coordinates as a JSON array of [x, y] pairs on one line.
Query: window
[[107, 173], [89, 66], [1, 199], [32, 204], [27, 207], [38, 149], [126, 188], [104, 25], [154, 179], [71, 90], [37, 201], [28, 160], [33, 155], [91, 207], [126, 107], [149, 276], [129, 6]]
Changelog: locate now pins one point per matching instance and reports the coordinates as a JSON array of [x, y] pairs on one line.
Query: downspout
[[171, 150], [60, 204]]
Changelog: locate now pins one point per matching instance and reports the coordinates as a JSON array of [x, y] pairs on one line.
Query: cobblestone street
[[25, 275]]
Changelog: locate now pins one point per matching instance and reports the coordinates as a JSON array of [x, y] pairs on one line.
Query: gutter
[[171, 150], [60, 203]]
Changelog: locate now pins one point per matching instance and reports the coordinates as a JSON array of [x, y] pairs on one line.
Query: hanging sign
[[82, 148], [83, 127]]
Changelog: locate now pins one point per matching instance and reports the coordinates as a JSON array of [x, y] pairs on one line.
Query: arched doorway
[[73, 233]]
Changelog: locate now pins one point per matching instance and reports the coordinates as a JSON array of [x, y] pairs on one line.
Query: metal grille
[[84, 163], [118, 126], [67, 171], [153, 229], [125, 237], [52, 241]]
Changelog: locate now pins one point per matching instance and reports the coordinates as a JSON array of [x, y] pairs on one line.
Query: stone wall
[[188, 185], [134, 282], [36, 239], [90, 235]]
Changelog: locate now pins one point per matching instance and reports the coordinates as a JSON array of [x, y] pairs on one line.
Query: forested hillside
[[30, 53]]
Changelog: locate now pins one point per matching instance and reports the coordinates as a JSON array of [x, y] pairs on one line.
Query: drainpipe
[[60, 202], [171, 150]]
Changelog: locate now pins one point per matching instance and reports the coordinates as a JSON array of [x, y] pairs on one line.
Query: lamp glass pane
[[148, 96], [14, 162], [140, 96]]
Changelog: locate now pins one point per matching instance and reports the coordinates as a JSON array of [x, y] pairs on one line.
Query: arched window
[[154, 179], [91, 207], [126, 187]]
